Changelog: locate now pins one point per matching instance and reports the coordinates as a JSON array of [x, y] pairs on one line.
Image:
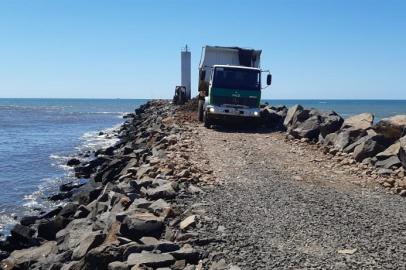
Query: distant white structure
[[186, 71]]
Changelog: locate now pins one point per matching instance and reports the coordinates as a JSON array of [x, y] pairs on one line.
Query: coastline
[[124, 216], [146, 199]]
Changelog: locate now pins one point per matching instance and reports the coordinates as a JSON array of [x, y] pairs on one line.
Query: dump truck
[[230, 85]]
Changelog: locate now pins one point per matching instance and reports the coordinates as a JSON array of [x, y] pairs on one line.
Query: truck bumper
[[224, 113]]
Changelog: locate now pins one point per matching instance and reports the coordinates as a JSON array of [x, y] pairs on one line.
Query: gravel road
[[277, 209]]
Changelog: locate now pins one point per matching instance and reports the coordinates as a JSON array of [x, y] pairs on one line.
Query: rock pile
[[380, 147], [126, 216]]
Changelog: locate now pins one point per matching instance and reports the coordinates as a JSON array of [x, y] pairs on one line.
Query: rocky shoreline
[[142, 206], [128, 215], [375, 150]]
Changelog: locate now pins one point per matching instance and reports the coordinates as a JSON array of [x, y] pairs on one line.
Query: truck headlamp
[[256, 113], [211, 109]]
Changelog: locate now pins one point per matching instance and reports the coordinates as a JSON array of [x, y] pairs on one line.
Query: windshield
[[236, 78]]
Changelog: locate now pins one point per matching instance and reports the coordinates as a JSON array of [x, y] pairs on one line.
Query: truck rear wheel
[[200, 110]]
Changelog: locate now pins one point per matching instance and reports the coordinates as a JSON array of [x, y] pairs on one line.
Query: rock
[[360, 121], [330, 123], [165, 191], [159, 206], [330, 139], [272, 119], [117, 266], [100, 257], [3, 255], [60, 196], [187, 253], [81, 212], [22, 259], [28, 220], [141, 224], [384, 172], [188, 222], [73, 162], [393, 127], [310, 128], [402, 151], [88, 242], [291, 113], [392, 150], [51, 213], [347, 137], [68, 210], [388, 163], [69, 186], [150, 259], [366, 149], [23, 235], [47, 228]]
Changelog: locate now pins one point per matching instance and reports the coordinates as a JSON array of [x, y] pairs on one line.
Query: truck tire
[[200, 110], [206, 120]]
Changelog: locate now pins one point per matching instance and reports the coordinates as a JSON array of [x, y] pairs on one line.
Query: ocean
[[38, 136]]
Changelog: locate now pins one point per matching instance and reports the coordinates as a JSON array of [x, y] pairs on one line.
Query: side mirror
[[269, 79], [202, 75]]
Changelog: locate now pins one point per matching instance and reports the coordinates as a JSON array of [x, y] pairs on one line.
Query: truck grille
[[220, 100]]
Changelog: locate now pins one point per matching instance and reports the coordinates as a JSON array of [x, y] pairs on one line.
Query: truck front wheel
[[200, 110], [206, 120]]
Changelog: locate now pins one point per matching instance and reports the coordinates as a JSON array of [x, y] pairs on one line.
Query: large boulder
[[137, 225], [393, 127], [88, 242], [272, 118], [392, 150], [23, 259], [347, 137], [367, 148], [292, 111], [359, 121], [150, 259], [310, 128], [402, 151], [330, 123]]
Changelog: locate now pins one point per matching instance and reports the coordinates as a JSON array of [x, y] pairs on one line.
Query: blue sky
[[316, 49]]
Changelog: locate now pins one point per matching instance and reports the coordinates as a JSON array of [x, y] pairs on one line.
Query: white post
[[186, 71]]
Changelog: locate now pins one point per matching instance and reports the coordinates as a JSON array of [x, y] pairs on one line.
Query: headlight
[[211, 110], [256, 113]]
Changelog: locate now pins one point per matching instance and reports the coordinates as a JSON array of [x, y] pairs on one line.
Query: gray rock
[[310, 128], [150, 259], [367, 149], [159, 206], [402, 151], [47, 228], [346, 137], [393, 127], [290, 114], [388, 162], [392, 150], [101, 256], [117, 266], [138, 225], [22, 259], [165, 191], [88, 242], [360, 121], [330, 123]]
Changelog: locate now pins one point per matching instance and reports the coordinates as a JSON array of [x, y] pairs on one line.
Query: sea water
[[37, 137]]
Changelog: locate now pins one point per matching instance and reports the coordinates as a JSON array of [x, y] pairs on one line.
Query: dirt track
[[284, 205]]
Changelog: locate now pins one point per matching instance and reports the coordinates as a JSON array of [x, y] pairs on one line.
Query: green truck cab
[[229, 92]]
